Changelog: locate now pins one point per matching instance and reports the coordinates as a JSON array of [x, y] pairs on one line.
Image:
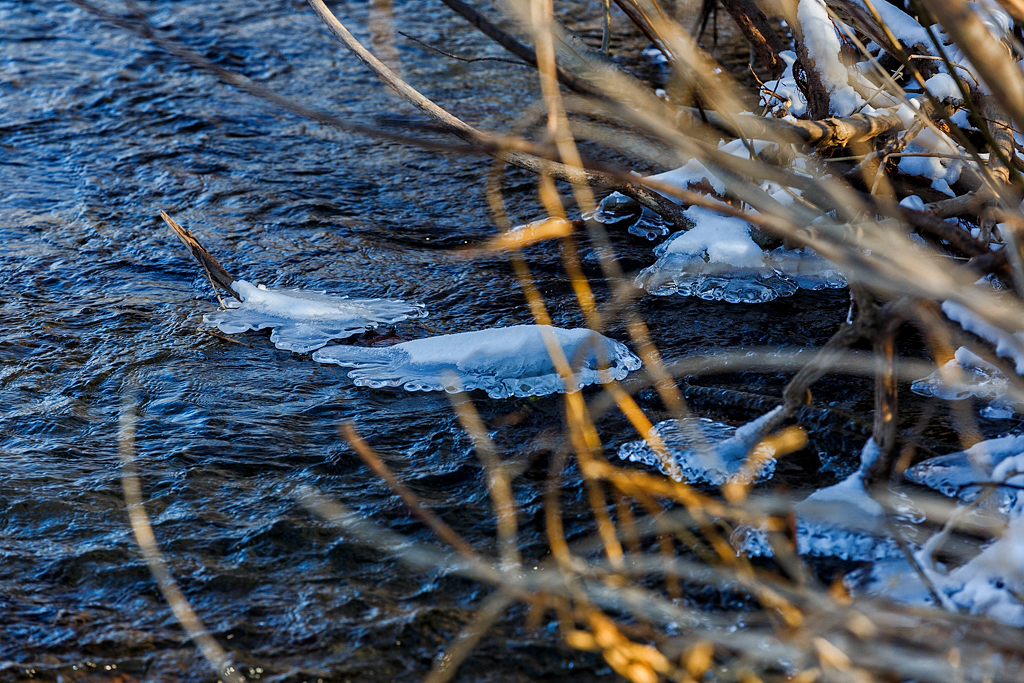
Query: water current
[[99, 130]]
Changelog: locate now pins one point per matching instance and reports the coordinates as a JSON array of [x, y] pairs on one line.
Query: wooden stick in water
[[214, 270]]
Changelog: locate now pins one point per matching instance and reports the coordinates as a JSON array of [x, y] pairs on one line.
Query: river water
[[99, 130]]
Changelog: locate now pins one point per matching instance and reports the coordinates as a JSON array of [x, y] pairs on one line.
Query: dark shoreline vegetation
[[813, 475]]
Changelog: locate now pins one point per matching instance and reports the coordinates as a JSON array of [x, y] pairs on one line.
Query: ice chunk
[[806, 268], [950, 475], [649, 225], [990, 583], [968, 375], [722, 455], [840, 521], [953, 474], [718, 260], [616, 208], [504, 362], [690, 275], [302, 320]]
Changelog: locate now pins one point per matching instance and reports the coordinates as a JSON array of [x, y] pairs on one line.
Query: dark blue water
[[99, 130]]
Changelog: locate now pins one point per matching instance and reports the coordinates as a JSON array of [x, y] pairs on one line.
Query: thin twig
[[464, 59], [445, 532], [218, 335]]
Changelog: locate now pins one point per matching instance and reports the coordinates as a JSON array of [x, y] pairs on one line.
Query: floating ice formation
[[718, 260], [617, 207], [840, 521], [708, 451], [504, 362], [304, 320], [953, 474], [968, 375], [991, 582]]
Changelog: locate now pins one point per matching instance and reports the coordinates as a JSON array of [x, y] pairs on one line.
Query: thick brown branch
[[935, 227], [1002, 134], [641, 21], [886, 417], [827, 132], [759, 33]]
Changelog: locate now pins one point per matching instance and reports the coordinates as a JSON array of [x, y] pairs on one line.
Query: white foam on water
[[504, 362], [303, 321]]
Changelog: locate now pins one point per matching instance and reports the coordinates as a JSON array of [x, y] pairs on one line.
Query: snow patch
[[902, 25], [823, 46], [1010, 346]]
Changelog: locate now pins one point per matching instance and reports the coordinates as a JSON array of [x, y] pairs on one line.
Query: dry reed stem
[[443, 531], [447, 665], [211, 650], [498, 484]]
